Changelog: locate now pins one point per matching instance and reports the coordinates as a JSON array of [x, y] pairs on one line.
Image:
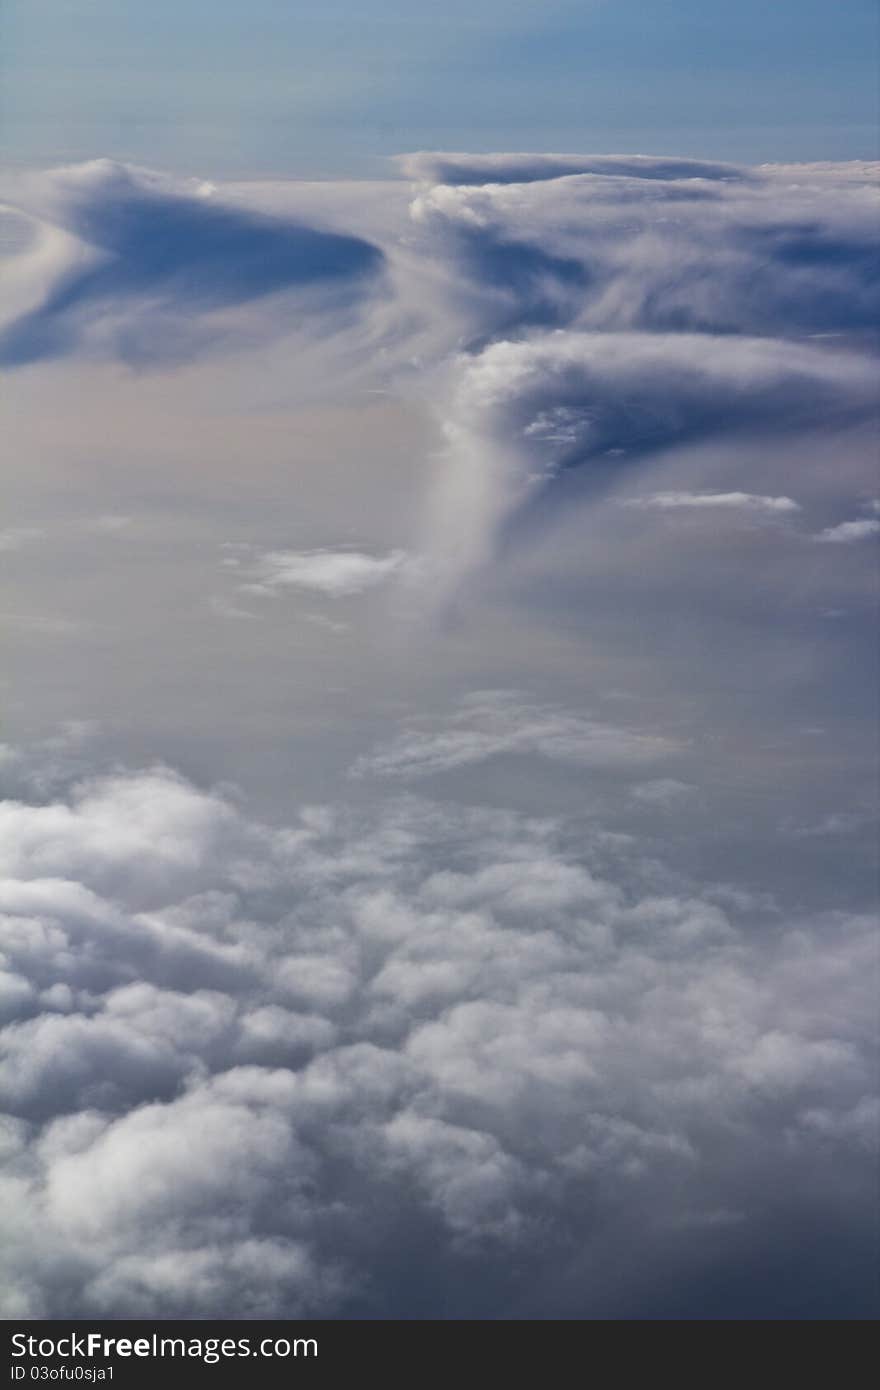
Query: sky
[[438, 720], [316, 90]]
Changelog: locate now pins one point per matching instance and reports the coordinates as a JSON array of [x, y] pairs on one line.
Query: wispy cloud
[[143, 257], [491, 723], [847, 532], [17, 537], [336, 573], [662, 791], [729, 501]]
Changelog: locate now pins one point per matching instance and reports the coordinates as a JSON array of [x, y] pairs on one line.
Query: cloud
[[491, 723], [242, 1063], [478, 169], [336, 573], [553, 311], [17, 537], [613, 308], [13, 538], [389, 1056], [662, 791], [846, 532], [661, 245], [522, 414], [836, 823], [738, 501], [144, 258]]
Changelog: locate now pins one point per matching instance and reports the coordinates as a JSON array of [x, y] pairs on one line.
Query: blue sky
[[280, 86]]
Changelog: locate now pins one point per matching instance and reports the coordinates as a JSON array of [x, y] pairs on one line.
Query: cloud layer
[[558, 312], [569, 455], [265, 1071]]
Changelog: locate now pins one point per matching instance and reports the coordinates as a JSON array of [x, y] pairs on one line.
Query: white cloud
[[106, 279], [849, 531], [736, 501], [555, 311], [617, 307], [228, 1099], [337, 573]]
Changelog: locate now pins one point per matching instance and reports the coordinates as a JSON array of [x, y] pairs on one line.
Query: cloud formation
[[141, 259], [554, 312], [614, 308], [337, 573], [240, 1062], [525, 413], [492, 723], [736, 501], [848, 531], [597, 1036], [466, 170]]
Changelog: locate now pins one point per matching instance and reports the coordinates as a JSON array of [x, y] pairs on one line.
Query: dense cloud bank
[[428, 1060]]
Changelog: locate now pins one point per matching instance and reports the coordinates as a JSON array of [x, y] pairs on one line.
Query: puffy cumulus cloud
[[337, 573], [491, 723], [148, 268], [255, 1070]]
